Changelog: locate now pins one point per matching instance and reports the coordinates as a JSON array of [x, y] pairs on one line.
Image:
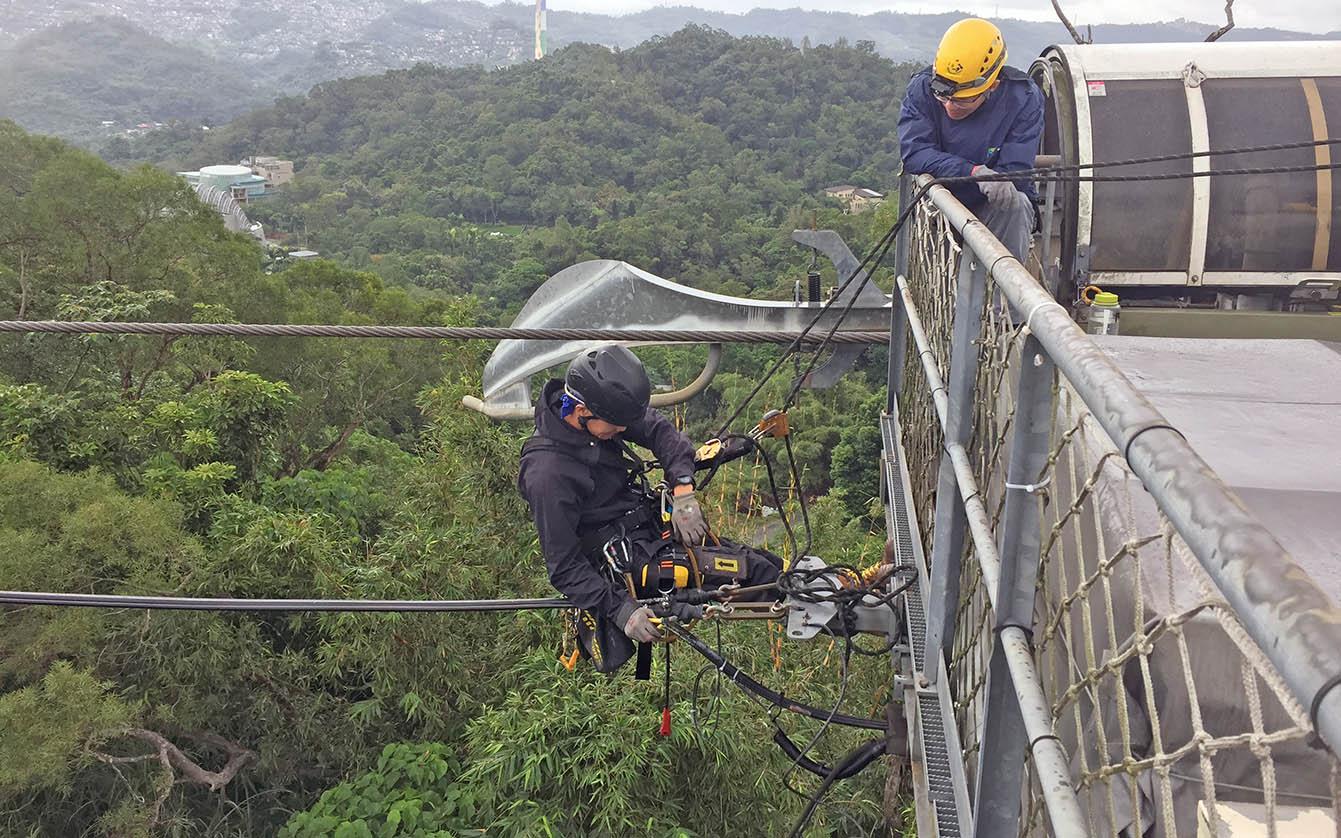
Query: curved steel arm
[[607, 294], [698, 385]]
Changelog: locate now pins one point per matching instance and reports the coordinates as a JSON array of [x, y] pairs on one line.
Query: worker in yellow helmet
[[970, 114]]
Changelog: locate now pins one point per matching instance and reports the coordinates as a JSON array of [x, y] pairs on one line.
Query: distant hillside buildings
[[228, 188], [253, 178], [239, 181], [275, 171], [856, 198]]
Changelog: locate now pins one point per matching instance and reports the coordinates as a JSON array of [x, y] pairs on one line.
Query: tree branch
[[165, 783], [1056, 7], [1229, 22], [159, 359], [189, 770], [111, 760], [23, 283], [323, 458]]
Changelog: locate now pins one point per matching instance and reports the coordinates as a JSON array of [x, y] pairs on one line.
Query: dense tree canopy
[[691, 156], [322, 468]]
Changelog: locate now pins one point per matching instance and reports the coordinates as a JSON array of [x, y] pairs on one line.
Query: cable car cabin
[[1234, 241]]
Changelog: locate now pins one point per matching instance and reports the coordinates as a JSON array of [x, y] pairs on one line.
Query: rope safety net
[[1173, 718]]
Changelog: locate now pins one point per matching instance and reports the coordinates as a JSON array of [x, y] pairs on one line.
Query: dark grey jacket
[[576, 483]]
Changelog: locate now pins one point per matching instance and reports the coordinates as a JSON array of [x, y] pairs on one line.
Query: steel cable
[[173, 603], [425, 332]]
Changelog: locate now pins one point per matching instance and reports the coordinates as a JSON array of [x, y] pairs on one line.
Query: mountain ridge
[[242, 54]]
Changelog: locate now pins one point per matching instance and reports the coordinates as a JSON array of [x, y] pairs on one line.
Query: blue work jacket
[[1002, 134]]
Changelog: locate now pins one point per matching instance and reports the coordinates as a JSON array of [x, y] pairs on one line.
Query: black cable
[[852, 764], [793, 752], [886, 242], [838, 293], [844, 770], [1042, 173], [800, 498], [666, 707], [1141, 161], [777, 498], [1046, 175], [801, 583], [845, 662], [716, 691], [169, 603], [1256, 170], [749, 684]]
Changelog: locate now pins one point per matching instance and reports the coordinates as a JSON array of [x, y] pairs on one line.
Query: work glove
[[686, 613], [687, 520], [1000, 193], [637, 623]]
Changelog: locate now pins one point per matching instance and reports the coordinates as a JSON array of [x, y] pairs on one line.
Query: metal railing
[[1089, 576]]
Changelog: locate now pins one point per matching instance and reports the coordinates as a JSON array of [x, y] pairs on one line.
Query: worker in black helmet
[[591, 504]]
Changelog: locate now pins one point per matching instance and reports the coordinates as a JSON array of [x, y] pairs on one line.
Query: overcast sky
[[1303, 15]]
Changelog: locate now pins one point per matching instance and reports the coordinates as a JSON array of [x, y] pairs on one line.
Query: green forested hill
[[689, 156], [322, 468], [68, 79]]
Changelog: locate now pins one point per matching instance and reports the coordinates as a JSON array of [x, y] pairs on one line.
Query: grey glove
[[687, 520], [1000, 193], [686, 613], [636, 621]]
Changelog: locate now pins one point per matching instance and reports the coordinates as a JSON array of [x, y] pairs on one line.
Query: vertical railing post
[[898, 316], [1001, 757], [947, 540], [903, 241]]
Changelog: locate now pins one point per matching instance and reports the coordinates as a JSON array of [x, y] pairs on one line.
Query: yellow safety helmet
[[968, 60]]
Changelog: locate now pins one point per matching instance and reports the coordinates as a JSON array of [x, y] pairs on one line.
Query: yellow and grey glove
[[636, 621], [687, 520]]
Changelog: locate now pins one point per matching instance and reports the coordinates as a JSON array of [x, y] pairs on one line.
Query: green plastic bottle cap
[[1105, 298]]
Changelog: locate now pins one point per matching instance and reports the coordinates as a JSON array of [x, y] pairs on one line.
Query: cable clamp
[[1316, 705], [1030, 487], [1029, 319], [1157, 426], [1054, 737]]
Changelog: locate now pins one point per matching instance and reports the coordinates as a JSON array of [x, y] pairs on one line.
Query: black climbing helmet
[[611, 382]]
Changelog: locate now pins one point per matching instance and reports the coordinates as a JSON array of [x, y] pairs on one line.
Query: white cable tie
[[1029, 321], [1030, 487]]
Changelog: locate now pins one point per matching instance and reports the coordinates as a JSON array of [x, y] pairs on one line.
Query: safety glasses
[[945, 89]]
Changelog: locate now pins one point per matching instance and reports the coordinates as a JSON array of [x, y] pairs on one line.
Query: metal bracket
[[805, 620], [836, 251]]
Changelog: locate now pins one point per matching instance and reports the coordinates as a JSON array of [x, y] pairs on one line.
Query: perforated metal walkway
[[939, 781]]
